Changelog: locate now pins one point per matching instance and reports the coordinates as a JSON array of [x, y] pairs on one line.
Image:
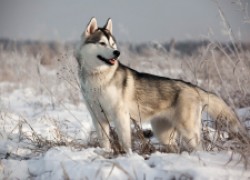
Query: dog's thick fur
[[114, 92]]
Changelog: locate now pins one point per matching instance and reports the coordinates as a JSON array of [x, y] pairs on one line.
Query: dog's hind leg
[[188, 124], [165, 132]]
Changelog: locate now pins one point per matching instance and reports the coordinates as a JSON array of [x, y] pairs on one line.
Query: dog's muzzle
[[111, 61]]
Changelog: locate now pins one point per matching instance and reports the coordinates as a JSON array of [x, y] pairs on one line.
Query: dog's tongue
[[112, 61]]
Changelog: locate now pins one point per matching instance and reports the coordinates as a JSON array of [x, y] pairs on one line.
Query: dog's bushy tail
[[219, 111]]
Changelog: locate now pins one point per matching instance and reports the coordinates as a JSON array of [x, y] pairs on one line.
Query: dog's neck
[[101, 74]]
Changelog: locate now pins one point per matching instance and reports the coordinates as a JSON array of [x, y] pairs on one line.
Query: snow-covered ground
[[43, 140], [46, 131]]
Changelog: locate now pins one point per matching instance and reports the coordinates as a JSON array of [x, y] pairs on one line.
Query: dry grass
[[213, 140]]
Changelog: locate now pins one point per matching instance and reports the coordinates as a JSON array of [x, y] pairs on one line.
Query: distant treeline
[[183, 47], [186, 47]]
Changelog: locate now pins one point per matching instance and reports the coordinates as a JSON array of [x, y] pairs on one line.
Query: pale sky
[[133, 21]]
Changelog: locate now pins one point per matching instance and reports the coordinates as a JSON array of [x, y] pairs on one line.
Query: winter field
[[46, 131]]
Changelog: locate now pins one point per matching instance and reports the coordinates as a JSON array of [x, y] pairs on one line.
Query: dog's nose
[[116, 53]]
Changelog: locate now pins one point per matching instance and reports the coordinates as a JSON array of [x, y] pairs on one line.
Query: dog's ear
[[91, 28], [108, 25]]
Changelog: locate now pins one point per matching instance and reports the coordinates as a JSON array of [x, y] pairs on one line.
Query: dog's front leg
[[102, 128], [122, 124], [101, 125]]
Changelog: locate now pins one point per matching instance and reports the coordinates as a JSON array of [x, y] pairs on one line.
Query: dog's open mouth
[[108, 61]]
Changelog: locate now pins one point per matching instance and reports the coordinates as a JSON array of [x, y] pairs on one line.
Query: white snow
[[28, 117]]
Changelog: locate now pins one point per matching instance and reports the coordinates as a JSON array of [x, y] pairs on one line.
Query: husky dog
[[114, 92]]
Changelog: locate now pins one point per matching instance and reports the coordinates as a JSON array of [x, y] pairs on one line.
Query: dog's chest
[[97, 93]]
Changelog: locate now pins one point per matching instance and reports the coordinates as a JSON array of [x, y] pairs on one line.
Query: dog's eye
[[103, 43]]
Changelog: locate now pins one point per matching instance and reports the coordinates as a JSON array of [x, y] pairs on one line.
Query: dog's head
[[98, 47]]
